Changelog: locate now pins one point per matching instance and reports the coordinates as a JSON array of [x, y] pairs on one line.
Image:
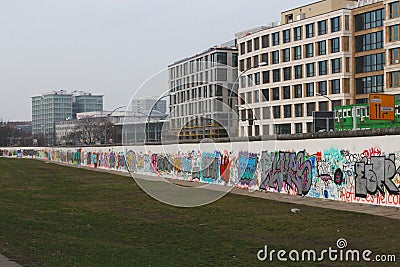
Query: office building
[[291, 70], [318, 57], [203, 94], [56, 106], [146, 104], [86, 102]]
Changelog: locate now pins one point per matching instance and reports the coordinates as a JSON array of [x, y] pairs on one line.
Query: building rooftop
[[224, 46]]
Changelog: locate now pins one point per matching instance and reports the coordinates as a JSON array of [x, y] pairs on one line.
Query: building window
[[275, 38], [394, 33], [335, 45], [275, 57], [234, 60], [242, 100], [248, 63], [297, 52], [309, 89], [250, 80], [322, 48], [276, 77], [323, 88], [394, 79], [255, 61], [287, 73], [286, 92], [310, 109], [309, 50], [298, 71], [297, 33], [335, 65], [323, 106], [249, 46], [322, 27], [249, 98], [369, 41], [287, 111], [266, 113], [265, 94], [256, 97], [241, 65], [256, 130], [335, 24], [283, 128], [221, 58], [310, 30], [370, 63], [286, 36], [256, 43], [323, 67], [276, 112], [394, 56], [265, 76], [335, 86], [250, 130], [275, 93], [264, 58], [298, 110], [286, 55], [257, 78], [370, 84], [242, 48], [310, 70], [369, 20], [221, 74], [265, 130], [265, 41], [394, 10], [298, 91], [242, 83], [298, 127]]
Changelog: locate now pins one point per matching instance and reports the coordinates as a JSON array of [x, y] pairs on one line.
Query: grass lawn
[[52, 215]]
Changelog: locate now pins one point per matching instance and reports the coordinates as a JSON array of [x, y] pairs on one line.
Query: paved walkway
[[390, 212], [5, 262]]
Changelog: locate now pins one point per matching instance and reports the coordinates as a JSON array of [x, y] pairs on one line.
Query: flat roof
[[214, 48]]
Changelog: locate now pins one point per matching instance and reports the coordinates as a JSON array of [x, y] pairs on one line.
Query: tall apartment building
[[291, 70], [203, 94], [49, 108]]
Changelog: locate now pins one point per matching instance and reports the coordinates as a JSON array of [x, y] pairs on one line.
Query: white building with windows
[[291, 70], [203, 94]]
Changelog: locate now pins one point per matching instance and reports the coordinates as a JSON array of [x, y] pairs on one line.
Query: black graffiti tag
[[376, 176]]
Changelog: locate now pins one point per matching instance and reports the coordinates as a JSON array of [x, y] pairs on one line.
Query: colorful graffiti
[[366, 176], [290, 171]]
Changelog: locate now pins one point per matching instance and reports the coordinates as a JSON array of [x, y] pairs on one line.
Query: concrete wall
[[359, 169]]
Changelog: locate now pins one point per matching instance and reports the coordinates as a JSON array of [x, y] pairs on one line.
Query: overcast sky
[[110, 47]]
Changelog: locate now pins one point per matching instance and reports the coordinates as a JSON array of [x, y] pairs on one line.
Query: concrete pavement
[[5, 262]]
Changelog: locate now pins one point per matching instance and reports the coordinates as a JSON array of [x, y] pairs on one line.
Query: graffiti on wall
[[289, 171], [367, 176]]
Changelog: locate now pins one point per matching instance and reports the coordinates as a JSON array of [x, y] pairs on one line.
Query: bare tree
[[91, 130]]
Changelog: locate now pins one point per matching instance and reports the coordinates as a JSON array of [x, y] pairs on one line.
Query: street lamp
[[151, 111], [261, 64], [108, 118]]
